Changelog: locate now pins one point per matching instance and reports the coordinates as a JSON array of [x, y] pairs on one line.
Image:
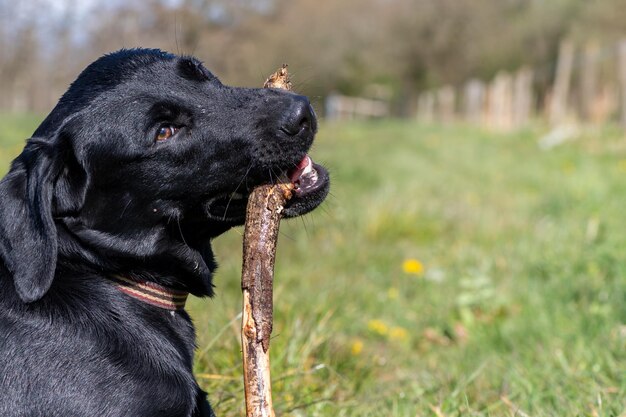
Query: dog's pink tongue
[[303, 167]]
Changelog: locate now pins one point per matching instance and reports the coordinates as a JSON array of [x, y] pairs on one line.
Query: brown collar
[[151, 293]]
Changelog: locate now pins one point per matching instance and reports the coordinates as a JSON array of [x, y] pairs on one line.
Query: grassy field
[[452, 272]]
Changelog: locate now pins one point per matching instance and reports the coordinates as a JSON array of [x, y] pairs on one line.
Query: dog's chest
[[124, 367]]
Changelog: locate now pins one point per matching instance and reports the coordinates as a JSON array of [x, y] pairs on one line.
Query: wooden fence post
[[621, 61], [446, 99], [474, 101], [560, 92], [426, 107], [588, 81], [500, 102], [522, 97]]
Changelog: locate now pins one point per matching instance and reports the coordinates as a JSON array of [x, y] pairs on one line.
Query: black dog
[[106, 220]]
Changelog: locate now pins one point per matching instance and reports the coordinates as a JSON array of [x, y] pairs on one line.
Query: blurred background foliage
[[455, 270], [333, 46]]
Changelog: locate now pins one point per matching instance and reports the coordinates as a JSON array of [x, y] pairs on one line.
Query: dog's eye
[[165, 132]]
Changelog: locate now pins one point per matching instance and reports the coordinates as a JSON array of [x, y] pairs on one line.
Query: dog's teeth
[[308, 168]]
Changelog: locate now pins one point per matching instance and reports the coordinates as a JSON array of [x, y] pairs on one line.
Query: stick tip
[[279, 79]]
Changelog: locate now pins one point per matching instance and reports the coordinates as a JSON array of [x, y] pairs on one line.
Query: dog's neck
[[151, 293], [170, 264]]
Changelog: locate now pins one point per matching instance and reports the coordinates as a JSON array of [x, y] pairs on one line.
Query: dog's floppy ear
[[28, 245]]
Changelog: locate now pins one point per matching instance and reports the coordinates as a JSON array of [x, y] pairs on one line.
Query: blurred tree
[[343, 46], [601, 21]]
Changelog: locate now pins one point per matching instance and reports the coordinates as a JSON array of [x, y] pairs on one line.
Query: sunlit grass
[[451, 272], [13, 134]]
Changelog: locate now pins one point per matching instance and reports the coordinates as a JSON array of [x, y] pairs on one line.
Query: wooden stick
[[263, 216]]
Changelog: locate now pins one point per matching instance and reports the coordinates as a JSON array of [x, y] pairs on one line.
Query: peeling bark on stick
[[263, 215]]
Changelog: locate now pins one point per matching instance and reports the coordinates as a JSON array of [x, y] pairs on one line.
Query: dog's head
[[145, 159]]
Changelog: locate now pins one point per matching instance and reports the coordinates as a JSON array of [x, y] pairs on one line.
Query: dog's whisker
[[245, 176], [125, 207], [286, 235], [306, 230], [271, 176], [276, 175], [180, 230]]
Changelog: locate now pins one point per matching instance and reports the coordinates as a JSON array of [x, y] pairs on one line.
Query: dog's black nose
[[300, 116]]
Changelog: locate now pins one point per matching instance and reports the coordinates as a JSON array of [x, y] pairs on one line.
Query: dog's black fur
[[94, 194]]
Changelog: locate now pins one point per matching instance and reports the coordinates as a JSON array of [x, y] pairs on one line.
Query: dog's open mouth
[[310, 181], [307, 177]]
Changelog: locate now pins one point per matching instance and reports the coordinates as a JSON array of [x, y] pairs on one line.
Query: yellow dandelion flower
[[378, 326], [398, 333], [568, 167], [413, 266], [393, 293], [357, 347]]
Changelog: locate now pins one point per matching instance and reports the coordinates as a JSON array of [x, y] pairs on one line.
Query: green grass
[[520, 309], [15, 130]]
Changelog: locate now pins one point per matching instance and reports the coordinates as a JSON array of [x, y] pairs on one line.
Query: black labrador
[[106, 221]]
